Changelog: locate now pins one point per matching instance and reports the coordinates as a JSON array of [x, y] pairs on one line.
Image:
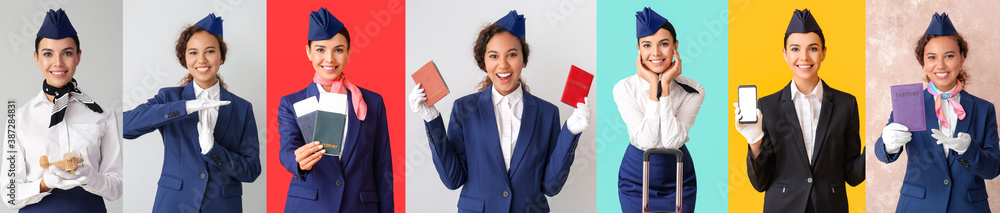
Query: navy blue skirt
[[72, 200], [662, 179]]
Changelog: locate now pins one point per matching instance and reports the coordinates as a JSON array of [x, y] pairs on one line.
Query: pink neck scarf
[[338, 85], [950, 97]]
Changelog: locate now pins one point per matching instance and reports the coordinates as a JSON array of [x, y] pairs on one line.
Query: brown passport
[[431, 81], [577, 86]]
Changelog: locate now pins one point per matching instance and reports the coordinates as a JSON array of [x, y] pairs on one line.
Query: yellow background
[[756, 31]]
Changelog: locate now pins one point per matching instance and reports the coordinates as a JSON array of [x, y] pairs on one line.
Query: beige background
[[892, 29]]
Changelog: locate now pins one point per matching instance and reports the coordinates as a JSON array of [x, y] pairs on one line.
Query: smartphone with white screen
[[747, 95]]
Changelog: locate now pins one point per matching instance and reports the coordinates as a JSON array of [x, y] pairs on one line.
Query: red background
[[376, 63]]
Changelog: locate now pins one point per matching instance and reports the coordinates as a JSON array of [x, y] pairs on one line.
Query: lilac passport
[[908, 106]]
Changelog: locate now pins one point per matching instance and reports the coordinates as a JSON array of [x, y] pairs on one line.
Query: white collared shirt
[[949, 114], [507, 110], [658, 124], [807, 108], [343, 141], [94, 137], [211, 115]]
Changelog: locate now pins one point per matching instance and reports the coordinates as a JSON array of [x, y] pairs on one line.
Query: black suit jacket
[[782, 170]]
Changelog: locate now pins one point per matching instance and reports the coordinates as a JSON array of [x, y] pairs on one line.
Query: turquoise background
[[702, 28]]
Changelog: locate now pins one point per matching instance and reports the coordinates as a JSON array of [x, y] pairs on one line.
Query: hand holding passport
[[577, 86], [323, 119]]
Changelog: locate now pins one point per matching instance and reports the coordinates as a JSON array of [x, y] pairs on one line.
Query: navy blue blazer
[[190, 181], [360, 180], [935, 183], [469, 155]]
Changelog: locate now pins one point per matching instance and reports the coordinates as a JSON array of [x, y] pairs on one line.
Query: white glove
[[57, 178], [206, 138], [580, 118], [959, 144], [419, 106], [895, 136], [752, 132], [202, 104]]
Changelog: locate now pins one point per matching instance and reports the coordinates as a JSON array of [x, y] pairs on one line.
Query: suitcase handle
[[680, 176]]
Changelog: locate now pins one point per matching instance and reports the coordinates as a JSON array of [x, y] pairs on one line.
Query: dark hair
[[963, 48], [479, 52], [666, 26], [822, 39], [181, 46], [76, 39], [344, 32]]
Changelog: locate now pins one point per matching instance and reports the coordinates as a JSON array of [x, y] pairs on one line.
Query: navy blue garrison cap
[[941, 25], [513, 22], [212, 24], [647, 22], [56, 25], [322, 25], [802, 22]]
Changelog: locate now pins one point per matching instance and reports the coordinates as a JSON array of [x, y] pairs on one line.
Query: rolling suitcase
[[645, 178]]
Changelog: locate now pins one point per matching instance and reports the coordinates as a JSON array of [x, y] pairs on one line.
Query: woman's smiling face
[[804, 52], [657, 50], [203, 58], [329, 56], [943, 62], [57, 59], [504, 61]]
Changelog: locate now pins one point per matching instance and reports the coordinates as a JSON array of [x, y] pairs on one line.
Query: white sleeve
[[17, 190], [643, 128], [674, 125], [107, 181]]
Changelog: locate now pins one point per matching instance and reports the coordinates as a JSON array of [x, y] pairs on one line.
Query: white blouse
[[93, 136], [658, 124]]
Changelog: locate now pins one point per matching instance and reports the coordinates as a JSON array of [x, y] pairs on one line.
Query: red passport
[[431, 81], [577, 86]]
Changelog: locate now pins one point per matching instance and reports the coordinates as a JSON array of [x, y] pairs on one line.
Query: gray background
[[560, 34], [99, 26], [152, 28]]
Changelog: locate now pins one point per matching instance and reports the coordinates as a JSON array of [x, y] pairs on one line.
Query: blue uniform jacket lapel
[[353, 129], [226, 116], [963, 124], [488, 122], [932, 146], [528, 117]]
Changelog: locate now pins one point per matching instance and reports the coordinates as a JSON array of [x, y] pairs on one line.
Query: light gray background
[[97, 23], [152, 28], [560, 34]]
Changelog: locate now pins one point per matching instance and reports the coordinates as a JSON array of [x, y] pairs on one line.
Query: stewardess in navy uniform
[[503, 145], [360, 179], [949, 161], [209, 135]]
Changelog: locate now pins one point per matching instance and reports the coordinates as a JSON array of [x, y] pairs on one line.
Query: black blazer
[[782, 169]]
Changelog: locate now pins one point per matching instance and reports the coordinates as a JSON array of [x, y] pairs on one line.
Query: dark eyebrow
[[318, 46], [666, 39], [340, 45], [814, 44], [513, 49], [46, 49], [68, 48], [949, 52]]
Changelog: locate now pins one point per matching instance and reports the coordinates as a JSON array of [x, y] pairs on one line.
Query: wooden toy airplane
[[69, 162]]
